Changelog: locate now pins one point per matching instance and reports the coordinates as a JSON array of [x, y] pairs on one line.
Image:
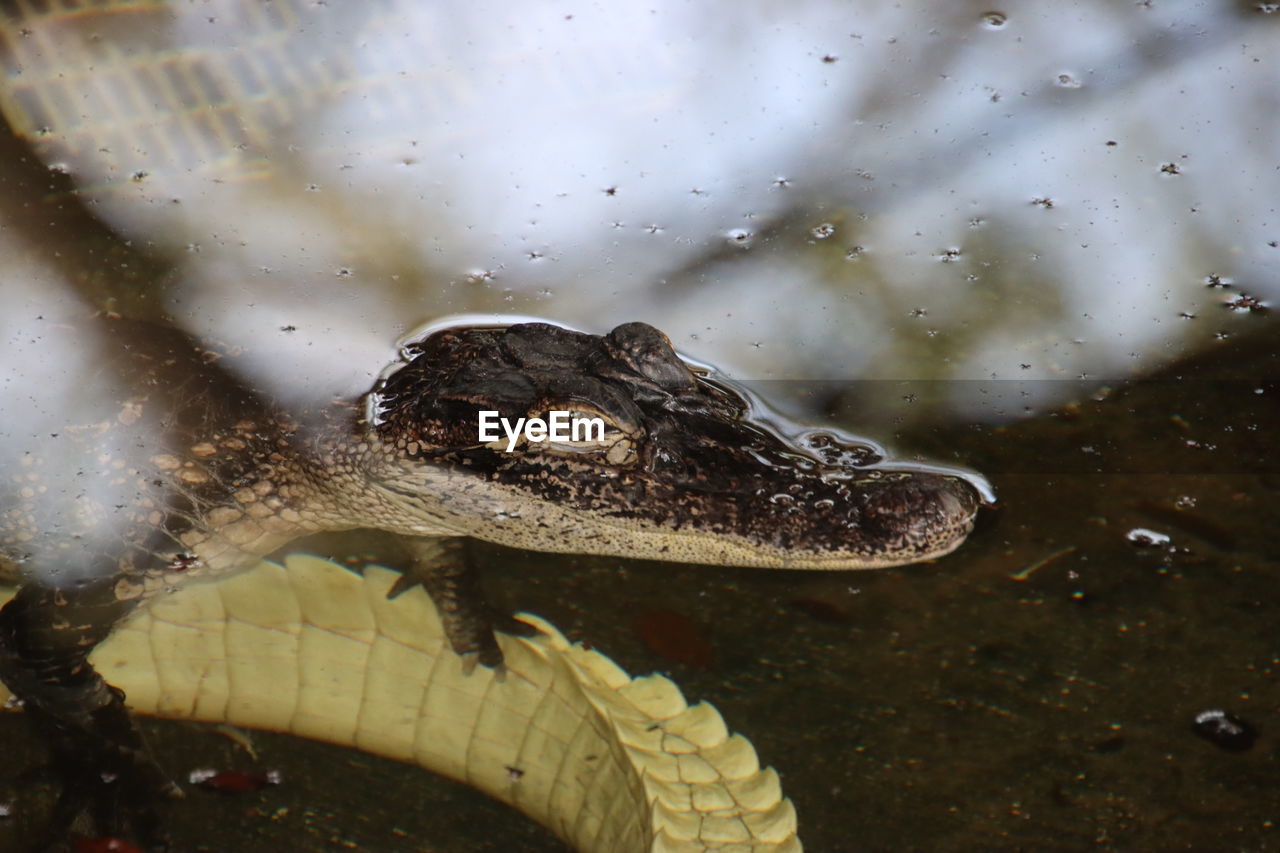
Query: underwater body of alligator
[[681, 473]]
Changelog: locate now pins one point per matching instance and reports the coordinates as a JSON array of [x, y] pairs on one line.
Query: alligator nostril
[[950, 504], [960, 499]]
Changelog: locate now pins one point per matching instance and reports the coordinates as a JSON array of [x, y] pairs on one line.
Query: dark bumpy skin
[[682, 474]]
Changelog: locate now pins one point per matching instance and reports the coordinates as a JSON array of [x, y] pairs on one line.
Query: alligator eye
[[583, 429]]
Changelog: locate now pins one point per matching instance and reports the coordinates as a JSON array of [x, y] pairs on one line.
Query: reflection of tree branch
[[902, 175], [912, 171], [740, 247], [47, 218], [42, 210]]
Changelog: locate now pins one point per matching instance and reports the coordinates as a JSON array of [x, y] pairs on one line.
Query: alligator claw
[[470, 659]]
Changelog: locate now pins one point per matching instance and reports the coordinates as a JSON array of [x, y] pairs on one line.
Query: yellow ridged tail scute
[[610, 763]]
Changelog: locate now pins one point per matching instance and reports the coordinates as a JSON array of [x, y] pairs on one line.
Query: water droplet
[[823, 231], [1068, 81], [1185, 502], [344, 272], [740, 237], [994, 20], [854, 253], [950, 255]]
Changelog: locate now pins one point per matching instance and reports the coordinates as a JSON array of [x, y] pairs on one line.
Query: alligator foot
[[107, 783], [98, 756], [442, 568]]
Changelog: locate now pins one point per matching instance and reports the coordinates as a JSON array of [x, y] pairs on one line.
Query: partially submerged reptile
[[683, 472]]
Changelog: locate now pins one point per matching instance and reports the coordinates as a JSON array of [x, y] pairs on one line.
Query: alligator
[[685, 469]]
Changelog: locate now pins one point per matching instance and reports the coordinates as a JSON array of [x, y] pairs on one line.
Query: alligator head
[[681, 470]]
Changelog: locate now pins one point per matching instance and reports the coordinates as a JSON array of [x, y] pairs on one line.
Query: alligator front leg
[[97, 751], [443, 567]]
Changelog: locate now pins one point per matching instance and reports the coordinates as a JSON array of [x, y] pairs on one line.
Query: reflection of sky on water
[[671, 162]]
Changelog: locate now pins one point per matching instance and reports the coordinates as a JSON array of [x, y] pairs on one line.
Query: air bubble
[[823, 231], [1068, 81], [994, 20]]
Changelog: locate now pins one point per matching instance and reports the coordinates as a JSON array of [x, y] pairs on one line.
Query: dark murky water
[[1022, 198]]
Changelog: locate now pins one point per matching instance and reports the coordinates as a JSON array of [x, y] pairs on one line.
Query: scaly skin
[[223, 478], [609, 763]]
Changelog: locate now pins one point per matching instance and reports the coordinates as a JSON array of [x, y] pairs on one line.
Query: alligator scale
[[683, 471]]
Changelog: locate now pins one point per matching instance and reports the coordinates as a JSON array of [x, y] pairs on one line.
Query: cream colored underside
[[609, 763]]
